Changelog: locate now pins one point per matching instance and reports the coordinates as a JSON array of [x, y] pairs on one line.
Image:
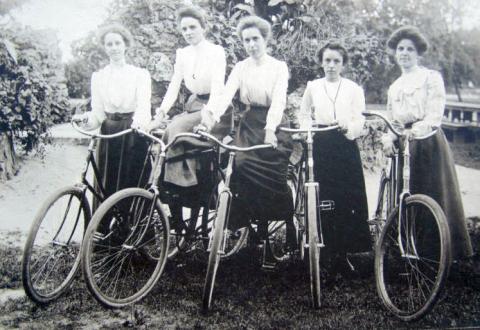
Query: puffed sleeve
[[142, 113], [97, 115], [175, 83], [305, 112], [218, 76], [223, 101], [357, 120], [435, 100], [279, 98]]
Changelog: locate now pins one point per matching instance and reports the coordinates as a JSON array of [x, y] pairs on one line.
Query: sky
[[72, 19]]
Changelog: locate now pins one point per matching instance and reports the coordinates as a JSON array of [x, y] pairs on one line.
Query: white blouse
[[342, 101], [418, 97], [120, 89], [202, 67], [263, 84]]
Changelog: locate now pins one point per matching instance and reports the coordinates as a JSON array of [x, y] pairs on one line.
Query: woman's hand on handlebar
[[81, 118], [388, 145], [342, 126], [271, 138]]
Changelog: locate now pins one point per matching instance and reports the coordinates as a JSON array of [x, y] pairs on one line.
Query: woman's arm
[[218, 108], [218, 76], [434, 105], [305, 112], [142, 115], [97, 115], [357, 120], [174, 86], [279, 98]]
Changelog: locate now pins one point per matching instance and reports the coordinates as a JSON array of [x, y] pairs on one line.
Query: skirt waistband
[[117, 116], [248, 107], [203, 97]]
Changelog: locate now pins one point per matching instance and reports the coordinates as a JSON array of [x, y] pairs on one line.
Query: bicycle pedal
[[269, 266], [327, 205]]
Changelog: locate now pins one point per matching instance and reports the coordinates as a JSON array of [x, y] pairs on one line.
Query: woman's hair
[[411, 33], [115, 28], [333, 44], [192, 12], [254, 22]]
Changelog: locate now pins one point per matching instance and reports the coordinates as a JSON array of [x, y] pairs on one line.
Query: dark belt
[[117, 116], [203, 97]]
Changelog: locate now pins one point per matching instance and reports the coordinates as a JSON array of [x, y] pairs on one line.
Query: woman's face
[[114, 46], [192, 30], [332, 63], [254, 43], [406, 54]]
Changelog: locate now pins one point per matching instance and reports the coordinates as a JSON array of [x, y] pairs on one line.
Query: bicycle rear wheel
[[409, 283], [52, 252], [125, 247]]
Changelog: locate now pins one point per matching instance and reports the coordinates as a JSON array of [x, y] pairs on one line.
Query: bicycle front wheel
[[313, 244], [125, 247], [216, 248], [413, 257], [52, 252]]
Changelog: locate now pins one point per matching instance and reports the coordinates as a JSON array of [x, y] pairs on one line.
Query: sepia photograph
[[239, 164]]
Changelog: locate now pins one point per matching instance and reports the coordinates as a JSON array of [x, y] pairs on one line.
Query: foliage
[[33, 94]]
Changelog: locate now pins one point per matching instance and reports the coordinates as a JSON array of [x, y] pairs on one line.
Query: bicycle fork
[[407, 250]]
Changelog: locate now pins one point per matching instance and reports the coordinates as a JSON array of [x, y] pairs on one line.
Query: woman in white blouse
[[416, 100], [201, 66], [337, 163], [259, 180], [120, 98]]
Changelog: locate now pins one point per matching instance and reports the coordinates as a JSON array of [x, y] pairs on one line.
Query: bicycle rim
[[215, 250], [52, 252], [125, 247], [409, 284], [313, 243]]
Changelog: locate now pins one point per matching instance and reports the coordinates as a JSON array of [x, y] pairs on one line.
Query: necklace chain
[[334, 100]]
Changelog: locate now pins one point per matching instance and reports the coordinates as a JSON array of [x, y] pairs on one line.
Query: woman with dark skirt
[[337, 163], [259, 179], [201, 66], [416, 100], [120, 99]]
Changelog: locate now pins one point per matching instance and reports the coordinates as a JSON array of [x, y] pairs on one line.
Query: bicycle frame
[[399, 197]]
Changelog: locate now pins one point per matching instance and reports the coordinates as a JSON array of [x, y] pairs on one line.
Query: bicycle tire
[[313, 244], [299, 212], [215, 249], [403, 281], [384, 205], [120, 242], [58, 242]]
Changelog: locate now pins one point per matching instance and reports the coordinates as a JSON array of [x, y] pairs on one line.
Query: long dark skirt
[[338, 169], [121, 161], [183, 172], [259, 179], [433, 174]]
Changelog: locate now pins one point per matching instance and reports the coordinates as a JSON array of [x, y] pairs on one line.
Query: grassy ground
[[244, 297]]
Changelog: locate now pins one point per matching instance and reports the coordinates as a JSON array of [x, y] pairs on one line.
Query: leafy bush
[[32, 89]]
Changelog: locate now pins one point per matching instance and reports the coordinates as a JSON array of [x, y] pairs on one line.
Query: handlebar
[[208, 136], [396, 131], [310, 129], [102, 136]]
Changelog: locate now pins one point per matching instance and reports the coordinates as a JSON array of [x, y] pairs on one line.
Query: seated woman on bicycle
[[201, 65], [416, 100], [120, 99], [259, 179], [337, 163]]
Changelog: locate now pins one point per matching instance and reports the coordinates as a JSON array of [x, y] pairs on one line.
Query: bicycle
[[308, 209], [127, 242], [413, 249], [51, 255]]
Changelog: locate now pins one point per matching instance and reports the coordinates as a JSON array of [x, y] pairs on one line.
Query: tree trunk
[[8, 161]]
